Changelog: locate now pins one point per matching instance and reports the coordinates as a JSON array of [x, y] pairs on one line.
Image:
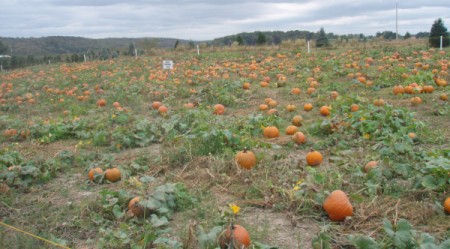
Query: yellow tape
[[32, 235]]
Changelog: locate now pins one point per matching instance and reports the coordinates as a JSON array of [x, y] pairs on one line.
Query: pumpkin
[[415, 101], [246, 159], [135, 208], [273, 103], [113, 174], [379, 102], [272, 111], [308, 107], [370, 165], [325, 110], [334, 94], [93, 172], [338, 206], [443, 97], [246, 86], [162, 109], [271, 132], [413, 136], [264, 83], [428, 89], [116, 104], [314, 158], [398, 90], [241, 238], [311, 90], [291, 129], [156, 105], [100, 102], [291, 108], [299, 138], [447, 205], [296, 90], [189, 105], [263, 107], [297, 120], [354, 107], [267, 100], [219, 109]]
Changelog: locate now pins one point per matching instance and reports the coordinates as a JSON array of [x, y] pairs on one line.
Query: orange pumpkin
[[308, 107], [246, 159], [219, 109], [338, 206], [325, 110], [296, 90], [428, 89], [291, 108], [113, 174], [297, 120], [370, 165], [379, 102], [162, 109], [93, 172], [447, 205], [299, 138], [156, 105], [443, 97], [271, 132], [135, 208], [314, 158], [415, 101], [398, 90], [241, 238], [246, 86], [354, 107], [334, 94], [263, 107], [291, 129], [100, 102]]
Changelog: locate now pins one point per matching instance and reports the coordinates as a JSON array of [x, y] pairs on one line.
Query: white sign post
[[167, 65], [198, 50], [308, 48], [440, 46]]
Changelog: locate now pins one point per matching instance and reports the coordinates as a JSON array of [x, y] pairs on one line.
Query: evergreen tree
[[131, 49], [322, 40], [261, 40], [437, 30], [176, 44], [407, 35], [239, 40], [3, 48]]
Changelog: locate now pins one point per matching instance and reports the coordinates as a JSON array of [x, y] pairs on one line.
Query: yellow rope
[[32, 235]]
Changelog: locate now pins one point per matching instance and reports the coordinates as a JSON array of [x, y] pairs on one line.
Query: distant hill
[[54, 45]]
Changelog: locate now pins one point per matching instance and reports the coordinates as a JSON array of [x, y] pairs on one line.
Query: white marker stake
[[308, 48], [198, 49], [440, 46], [135, 53], [84, 57]]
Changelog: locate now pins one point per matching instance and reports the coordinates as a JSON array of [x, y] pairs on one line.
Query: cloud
[[204, 20]]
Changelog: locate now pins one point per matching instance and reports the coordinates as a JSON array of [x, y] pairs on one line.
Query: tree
[[322, 40], [407, 35], [131, 49], [3, 48], [261, 40], [437, 30], [240, 40]]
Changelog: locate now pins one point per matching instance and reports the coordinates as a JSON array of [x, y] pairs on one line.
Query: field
[[174, 135]]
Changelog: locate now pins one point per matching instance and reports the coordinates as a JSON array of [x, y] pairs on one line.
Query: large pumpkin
[[338, 206], [271, 132], [113, 174], [241, 238], [447, 205], [246, 159], [314, 158]]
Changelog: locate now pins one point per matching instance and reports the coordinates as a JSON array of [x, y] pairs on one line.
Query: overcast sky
[[205, 20]]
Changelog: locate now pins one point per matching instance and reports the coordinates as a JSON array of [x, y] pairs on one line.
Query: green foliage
[[438, 29], [400, 235], [261, 40], [322, 39]]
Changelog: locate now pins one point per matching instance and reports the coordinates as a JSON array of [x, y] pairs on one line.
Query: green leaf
[[429, 182], [158, 221], [117, 212], [364, 242]]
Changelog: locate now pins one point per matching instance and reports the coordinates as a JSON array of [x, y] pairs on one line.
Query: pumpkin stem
[[245, 149]]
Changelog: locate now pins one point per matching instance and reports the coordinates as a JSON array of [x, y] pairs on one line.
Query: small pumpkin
[[93, 172], [443, 97], [272, 111], [113, 175], [297, 120], [354, 107], [308, 107], [246, 86], [246, 159], [100, 102], [135, 208], [398, 90], [299, 138], [370, 165], [263, 107], [240, 238], [334, 94], [219, 109], [447, 205], [325, 110], [156, 105], [379, 102], [338, 206], [291, 107], [314, 158], [271, 132], [291, 129], [296, 90], [415, 101], [162, 109]]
